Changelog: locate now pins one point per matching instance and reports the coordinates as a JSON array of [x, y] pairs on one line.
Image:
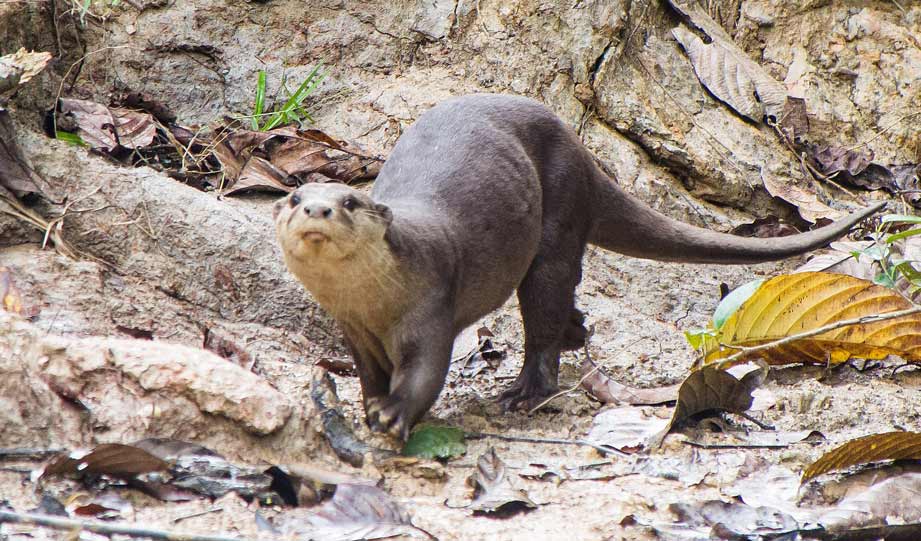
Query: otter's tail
[[623, 224]]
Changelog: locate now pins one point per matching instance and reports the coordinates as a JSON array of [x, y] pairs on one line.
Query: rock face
[[74, 391]]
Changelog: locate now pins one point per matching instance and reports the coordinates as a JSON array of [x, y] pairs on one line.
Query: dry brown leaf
[[607, 390], [18, 68], [281, 159], [892, 501], [710, 389], [715, 519], [804, 199], [493, 490], [792, 304], [794, 121], [355, 512], [16, 175], [115, 459], [719, 71], [106, 128], [628, 429], [873, 448], [771, 93]]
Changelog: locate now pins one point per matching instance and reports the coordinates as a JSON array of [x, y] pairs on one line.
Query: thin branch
[[564, 391], [603, 449], [26, 453], [874, 318], [106, 528]]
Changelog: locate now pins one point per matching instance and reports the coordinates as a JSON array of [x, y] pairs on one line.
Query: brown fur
[[483, 195]]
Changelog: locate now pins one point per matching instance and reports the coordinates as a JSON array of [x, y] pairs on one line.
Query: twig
[[895, 123], [603, 449], [106, 528], [874, 318], [701, 445], [26, 453], [177, 520], [564, 391]]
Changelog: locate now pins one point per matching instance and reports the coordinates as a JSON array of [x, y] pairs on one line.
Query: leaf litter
[[494, 493]]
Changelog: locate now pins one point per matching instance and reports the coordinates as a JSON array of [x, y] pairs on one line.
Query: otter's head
[[324, 224]]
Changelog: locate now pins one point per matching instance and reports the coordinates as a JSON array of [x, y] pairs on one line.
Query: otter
[[483, 195]]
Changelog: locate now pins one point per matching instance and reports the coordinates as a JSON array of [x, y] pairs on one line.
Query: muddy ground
[[170, 262]]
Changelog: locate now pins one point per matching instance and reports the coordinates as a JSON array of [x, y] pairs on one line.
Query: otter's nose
[[318, 211]]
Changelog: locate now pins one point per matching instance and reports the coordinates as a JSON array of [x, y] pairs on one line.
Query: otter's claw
[[385, 414], [524, 397]]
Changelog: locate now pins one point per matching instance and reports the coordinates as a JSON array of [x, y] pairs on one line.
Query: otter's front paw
[[387, 414]]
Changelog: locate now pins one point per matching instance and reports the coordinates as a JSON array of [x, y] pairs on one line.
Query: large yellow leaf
[[792, 304]]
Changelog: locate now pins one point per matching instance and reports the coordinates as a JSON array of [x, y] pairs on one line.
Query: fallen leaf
[[16, 175], [628, 429], [18, 68], [608, 391], [493, 490], [768, 227], [721, 520], [355, 512], [337, 430], [775, 487], [805, 200], [115, 459], [713, 390], [873, 448], [835, 160], [433, 441], [106, 128], [793, 121], [281, 159], [795, 303], [718, 70], [891, 501], [736, 63]]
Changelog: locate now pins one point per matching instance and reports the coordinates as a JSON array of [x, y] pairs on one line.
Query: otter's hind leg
[[551, 322]]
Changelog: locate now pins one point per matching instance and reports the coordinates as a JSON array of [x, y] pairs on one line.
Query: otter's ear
[[384, 212], [276, 208]]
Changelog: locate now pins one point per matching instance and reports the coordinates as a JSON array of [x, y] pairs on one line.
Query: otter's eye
[[295, 200], [349, 204]]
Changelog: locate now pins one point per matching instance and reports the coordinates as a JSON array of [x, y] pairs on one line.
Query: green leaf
[[902, 235], [433, 441], [733, 301], [259, 106], [696, 337], [70, 138], [875, 252], [900, 218], [883, 279]]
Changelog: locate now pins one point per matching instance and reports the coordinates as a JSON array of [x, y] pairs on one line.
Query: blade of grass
[[294, 101], [260, 100], [904, 234]]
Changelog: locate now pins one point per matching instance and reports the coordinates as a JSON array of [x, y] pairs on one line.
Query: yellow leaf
[[873, 448], [797, 303]]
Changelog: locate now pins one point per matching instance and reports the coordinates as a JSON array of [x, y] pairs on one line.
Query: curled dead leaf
[[493, 490], [609, 391]]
